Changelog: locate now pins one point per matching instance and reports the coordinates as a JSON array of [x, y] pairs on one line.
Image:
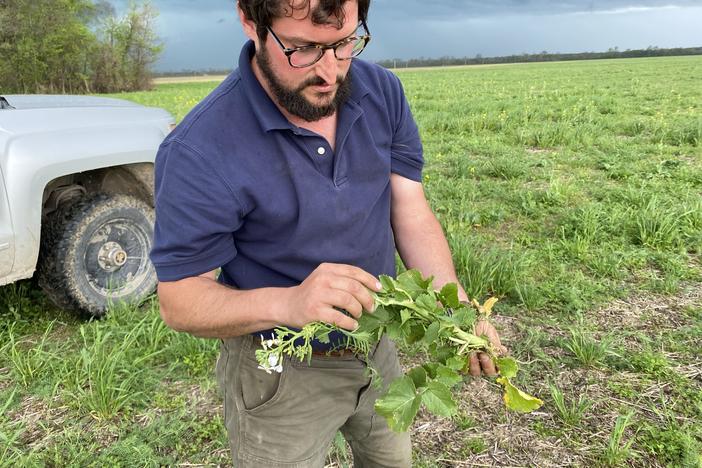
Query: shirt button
[[321, 151]]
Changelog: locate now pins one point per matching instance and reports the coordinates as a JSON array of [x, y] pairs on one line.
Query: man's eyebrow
[[300, 40]]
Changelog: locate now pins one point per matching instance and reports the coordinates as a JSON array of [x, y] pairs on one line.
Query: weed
[[657, 225], [617, 453], [484, 271], [10, 432], [674, 445], [107, 377], [28, 360], [340, 452], [588, 351], [474, 446], [570, 413], [198, 355], [464, 421]]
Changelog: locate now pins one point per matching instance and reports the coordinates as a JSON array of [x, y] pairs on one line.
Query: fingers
[[481, 363], [356, 290], [487, 365], [341, 320], [474, 365], [333, 286], [355, 273], [344, 300]]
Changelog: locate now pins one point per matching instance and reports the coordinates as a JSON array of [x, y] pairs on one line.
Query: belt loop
[[251, 342]]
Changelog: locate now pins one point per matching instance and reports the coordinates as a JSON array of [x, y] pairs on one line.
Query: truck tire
[[95, 253]]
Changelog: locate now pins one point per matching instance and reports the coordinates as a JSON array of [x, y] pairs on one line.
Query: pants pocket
[[258, 389]]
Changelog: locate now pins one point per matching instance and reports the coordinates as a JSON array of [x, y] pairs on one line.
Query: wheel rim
[[117, 257]]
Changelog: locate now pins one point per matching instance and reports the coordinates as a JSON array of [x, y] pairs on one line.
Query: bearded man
[[299, 177]]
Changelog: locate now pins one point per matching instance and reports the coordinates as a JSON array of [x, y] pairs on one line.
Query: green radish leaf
[[438, 400], [432, 333], [414, 279], [449, 296], [457, 363], [426, 302], [516, 399], [393, 331], [464, 318], [508, 367], [416, 333], [400, 405], [448, 376], [380, 313], [411, 281], [431, 368], [387, 283], [369, 324], [442, 353], [418, 376]]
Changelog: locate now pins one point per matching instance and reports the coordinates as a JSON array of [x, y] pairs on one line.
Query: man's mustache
[[319, 81]]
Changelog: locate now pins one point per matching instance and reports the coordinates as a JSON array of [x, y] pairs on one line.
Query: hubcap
[[117, 257], [111, 256]]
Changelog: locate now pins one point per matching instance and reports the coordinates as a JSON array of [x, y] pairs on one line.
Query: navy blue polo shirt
[[238, 186]]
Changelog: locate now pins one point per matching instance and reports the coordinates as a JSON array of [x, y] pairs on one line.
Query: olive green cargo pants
[[290, 419]]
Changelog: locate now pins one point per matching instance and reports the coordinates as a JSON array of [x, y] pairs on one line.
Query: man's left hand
[[482, 362]]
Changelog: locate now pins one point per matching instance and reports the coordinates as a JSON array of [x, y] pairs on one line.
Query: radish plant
[[412, 313]]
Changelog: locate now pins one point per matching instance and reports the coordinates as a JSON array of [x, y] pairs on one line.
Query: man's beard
[[293, 101]]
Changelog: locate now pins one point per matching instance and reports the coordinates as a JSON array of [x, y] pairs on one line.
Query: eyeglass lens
[[343, 51]]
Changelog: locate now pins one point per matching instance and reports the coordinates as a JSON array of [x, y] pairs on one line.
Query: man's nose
[[327, 66]]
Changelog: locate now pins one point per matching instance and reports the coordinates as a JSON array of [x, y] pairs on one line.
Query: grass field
[[573, 191]]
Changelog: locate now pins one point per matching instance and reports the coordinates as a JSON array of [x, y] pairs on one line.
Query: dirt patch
[[648, 311], [42, 420], [206, 404], [5, 379]]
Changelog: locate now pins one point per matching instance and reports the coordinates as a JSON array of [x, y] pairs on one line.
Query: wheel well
[[130, 179]]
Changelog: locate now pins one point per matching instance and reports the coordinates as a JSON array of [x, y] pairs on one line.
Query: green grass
[[573, 191], [569, 412]]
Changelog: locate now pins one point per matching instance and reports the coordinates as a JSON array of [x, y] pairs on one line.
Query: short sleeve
[[406, 149], [197, 215]]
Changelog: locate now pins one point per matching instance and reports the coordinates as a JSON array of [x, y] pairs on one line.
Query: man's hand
[[329, 286], [482, 361]]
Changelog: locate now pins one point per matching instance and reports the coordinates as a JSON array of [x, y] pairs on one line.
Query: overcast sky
[[206, 34]]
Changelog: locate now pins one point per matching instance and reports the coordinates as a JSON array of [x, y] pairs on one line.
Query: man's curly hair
[[263, 12]]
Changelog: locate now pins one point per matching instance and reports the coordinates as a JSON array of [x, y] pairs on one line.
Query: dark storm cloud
[[204, 34], [453, 9]]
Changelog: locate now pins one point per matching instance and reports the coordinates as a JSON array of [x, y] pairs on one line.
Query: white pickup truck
[[76, 197]]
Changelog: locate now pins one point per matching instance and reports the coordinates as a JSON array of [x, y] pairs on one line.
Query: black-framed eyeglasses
[[345, 49]]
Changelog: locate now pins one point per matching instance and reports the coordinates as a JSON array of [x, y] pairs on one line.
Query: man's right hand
[[331, 285]]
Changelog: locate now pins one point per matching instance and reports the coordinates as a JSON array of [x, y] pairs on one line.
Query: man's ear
[[248, 25]]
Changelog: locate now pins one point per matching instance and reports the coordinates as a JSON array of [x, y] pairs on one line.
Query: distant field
[[573, 191], [188, 79]]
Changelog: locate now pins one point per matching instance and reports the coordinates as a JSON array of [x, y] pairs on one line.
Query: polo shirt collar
[[266, 112]]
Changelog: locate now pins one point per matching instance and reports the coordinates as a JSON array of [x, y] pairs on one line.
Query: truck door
[[7, 237]]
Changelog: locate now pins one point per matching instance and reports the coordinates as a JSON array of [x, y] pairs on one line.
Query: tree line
[[76, 46], [613, 53]]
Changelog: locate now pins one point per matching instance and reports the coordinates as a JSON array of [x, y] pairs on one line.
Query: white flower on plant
[[268, 344], [273, 364], [274, 358]]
